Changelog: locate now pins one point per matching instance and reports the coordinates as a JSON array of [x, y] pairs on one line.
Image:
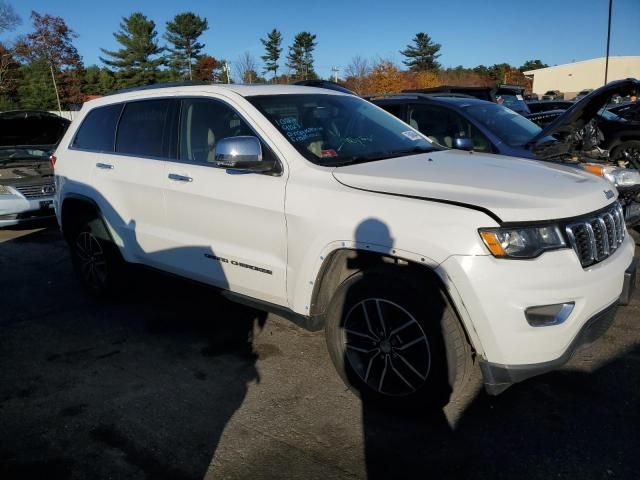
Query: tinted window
[[203, 123], [444, 126], [98, 129], [144, 129], [393, 109]]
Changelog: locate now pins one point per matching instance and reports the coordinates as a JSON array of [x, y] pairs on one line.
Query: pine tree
[[273, 50], [138, 62], [423, 55], [183, 33], [36, 90], [300, 58]]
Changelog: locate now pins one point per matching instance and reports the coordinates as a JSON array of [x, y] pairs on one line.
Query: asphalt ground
[[173, 381]]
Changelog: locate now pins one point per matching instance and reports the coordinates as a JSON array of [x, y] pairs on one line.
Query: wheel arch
[[78, 208], [342, 263]]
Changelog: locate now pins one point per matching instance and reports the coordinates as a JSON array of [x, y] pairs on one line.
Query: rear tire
[[396, 341], [96, 259]]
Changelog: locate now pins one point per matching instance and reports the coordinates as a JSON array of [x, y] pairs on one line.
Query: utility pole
[[228, 72], [53, 77], [335, 71], [606, 63]]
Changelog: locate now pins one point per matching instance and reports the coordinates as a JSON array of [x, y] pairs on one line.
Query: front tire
[[395, 340]]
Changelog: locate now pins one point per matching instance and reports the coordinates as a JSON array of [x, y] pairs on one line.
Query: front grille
[[595, 237], [35, 191]]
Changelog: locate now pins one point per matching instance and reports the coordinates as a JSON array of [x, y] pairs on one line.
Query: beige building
[[570, 78]]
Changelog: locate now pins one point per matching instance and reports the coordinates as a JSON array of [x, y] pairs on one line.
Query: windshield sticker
[[328, 153], [519, 97], [411, 135]]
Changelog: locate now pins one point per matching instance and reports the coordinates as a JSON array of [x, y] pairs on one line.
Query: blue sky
[[471, 32]]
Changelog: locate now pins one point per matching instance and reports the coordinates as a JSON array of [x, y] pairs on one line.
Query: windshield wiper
[[378, 156]]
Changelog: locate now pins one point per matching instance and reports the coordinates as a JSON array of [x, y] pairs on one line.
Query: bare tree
[[9, 19], [356, 73], [246, 68], [8, 68]]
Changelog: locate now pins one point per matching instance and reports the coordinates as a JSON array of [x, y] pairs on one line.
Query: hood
[[513, 189], [30, 128], [581, 112]]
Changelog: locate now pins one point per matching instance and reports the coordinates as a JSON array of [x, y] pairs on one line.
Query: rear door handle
[[104, 166], [180, 178]]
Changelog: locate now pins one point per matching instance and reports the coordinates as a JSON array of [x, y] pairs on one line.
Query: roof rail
[[417, 95], [153, 86]]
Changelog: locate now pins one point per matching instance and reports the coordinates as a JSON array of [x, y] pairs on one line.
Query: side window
[[480, 142], [394, 109], [145, 129], [444, 126], [203, 123], [98, 129], [437, 123]]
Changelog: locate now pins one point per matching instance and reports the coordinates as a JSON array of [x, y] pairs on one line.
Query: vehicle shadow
[[142, 386], [566, 424]]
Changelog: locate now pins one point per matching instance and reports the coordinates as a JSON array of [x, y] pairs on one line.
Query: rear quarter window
[[98, 129]]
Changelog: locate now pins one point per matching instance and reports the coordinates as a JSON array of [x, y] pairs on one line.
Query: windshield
[[23, 153], [512, 128], [514, 102], [335, 130]]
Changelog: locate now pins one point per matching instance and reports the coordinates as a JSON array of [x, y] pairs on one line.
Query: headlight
[[522, 242], [620, 177], [5, 190], [623, 177]]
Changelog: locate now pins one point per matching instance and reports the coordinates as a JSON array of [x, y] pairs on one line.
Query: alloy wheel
[[386, 347], [92, 262]]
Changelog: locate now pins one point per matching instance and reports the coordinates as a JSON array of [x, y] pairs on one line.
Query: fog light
[[546, 315]]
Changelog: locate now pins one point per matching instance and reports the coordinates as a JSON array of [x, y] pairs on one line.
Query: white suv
[[420, 263]]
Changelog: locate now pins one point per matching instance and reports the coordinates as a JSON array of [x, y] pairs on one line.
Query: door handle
[[104, 166], [180, 178]]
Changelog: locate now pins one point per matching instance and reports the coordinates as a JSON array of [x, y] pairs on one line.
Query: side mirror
[[463, 143], [241, 153]]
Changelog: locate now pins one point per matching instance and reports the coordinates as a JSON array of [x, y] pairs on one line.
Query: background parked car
[[471, 124], [553, 95], [536, 107], [583, 93], [27, 139], [511, 96]]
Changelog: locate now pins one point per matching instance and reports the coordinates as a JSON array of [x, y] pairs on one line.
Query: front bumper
[[492, 295], [497, 377], [16, 209]]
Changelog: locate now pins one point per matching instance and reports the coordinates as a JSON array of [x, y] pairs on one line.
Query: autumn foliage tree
[[386, 77], [51, 44], [206, 69]]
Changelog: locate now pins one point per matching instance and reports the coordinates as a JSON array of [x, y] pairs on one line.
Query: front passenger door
[[225, 228]]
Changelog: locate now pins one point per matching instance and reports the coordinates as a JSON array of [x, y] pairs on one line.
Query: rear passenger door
[[131, 181], [225, 228]]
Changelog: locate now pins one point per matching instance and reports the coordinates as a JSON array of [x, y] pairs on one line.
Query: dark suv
[[467, 123]]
